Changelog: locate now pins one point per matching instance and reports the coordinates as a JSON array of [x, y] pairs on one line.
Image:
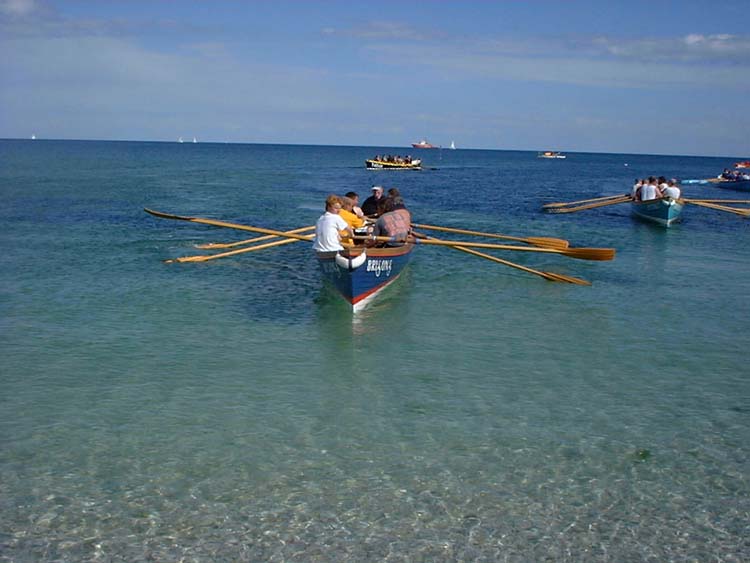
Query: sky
[[644, 77]]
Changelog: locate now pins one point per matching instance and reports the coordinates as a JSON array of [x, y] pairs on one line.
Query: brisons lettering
[[380, 267]]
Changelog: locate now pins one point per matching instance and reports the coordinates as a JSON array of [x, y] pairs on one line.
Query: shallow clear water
[[234, 410]]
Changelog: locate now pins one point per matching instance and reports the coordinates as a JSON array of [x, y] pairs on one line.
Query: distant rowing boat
[[740, 185], [381, 164], [550, 154], [359, 274], [663, 211]]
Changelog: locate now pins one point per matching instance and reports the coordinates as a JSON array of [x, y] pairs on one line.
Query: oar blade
[[163, 215], [548, 242], [600, 254], [206, 257]]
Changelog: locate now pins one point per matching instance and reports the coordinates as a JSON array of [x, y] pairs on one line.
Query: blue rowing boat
[[740, 185], [664, 211], [359, 274]]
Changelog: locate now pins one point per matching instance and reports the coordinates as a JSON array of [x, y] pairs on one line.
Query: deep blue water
[[234, 410]]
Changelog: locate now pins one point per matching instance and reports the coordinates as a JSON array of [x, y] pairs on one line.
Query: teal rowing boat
[[664, 211]]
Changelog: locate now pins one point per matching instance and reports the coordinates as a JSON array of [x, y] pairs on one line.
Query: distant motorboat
[[423, 144], [550, 154]]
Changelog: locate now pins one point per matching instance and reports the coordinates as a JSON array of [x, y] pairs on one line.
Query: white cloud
[[692, 48], [379, 30], [560, 66]]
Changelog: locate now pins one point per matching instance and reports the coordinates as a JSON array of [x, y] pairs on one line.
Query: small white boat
[[453, 145]]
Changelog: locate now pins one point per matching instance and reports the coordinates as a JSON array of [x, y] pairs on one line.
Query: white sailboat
[[453, 145], [180, 140], [33, 137], [195, 140]]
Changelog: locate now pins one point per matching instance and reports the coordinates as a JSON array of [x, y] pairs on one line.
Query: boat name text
[[380, 267]]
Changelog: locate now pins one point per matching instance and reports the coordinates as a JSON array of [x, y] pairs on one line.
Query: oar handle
[[565, 204], [544, 242], [621, 199]]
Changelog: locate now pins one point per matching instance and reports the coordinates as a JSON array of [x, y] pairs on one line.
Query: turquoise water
[[234, 410]]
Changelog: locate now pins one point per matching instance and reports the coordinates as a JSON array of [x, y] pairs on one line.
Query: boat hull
[[359, 275], [663, 212], [383, 165], [740, 185]]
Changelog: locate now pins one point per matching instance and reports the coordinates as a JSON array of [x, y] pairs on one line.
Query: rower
[[370, 206], [672, 190], [393, 222], [331, 227]]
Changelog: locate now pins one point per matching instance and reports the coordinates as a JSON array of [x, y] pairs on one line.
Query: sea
[[236, 410]]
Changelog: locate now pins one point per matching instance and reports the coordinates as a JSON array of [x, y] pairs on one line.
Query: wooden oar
[[204, 258], [579, 253], [546, 275], [718, 200], [565, 204], [743, 212], [621, 199], [227, 225], [544, 242], [214, 245], [695, 181]]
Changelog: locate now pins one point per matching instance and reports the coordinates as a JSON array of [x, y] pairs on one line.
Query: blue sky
[[652, 77]]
